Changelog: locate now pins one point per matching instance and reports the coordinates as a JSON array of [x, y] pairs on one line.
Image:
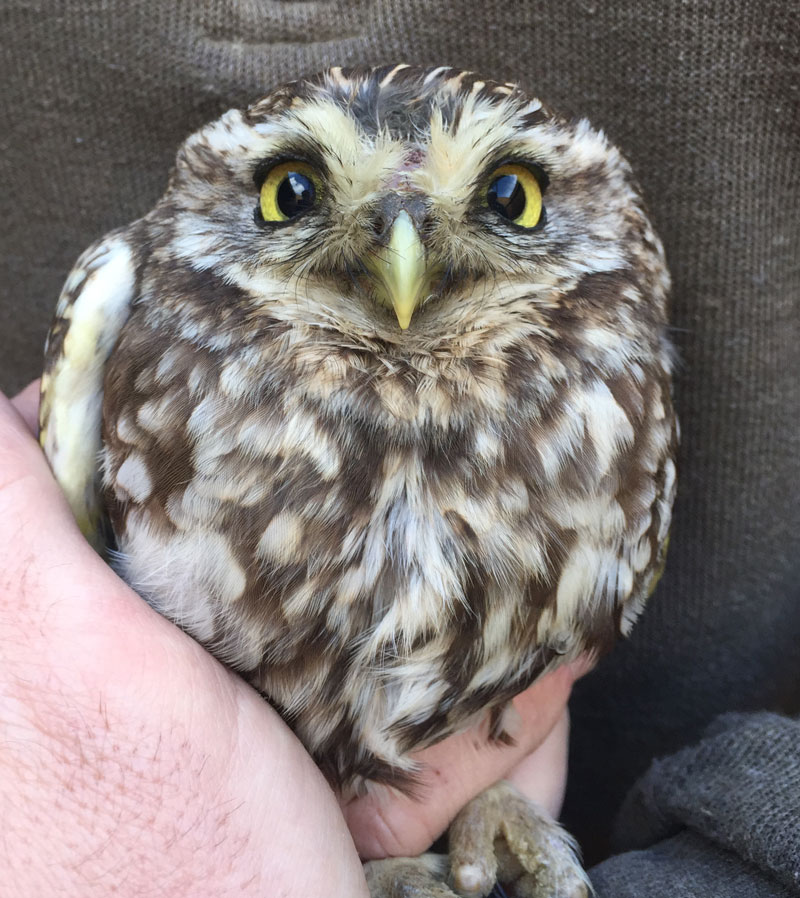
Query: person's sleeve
[[719, 818]]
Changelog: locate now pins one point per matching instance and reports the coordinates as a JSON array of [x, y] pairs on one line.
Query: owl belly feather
[[350, 593], [381, 586]]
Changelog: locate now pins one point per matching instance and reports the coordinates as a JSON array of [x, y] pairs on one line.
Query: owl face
[[405, 205]]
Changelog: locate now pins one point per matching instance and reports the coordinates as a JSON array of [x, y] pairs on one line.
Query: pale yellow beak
[[400, 270]]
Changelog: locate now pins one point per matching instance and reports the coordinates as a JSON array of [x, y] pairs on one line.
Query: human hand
[[132, 760]]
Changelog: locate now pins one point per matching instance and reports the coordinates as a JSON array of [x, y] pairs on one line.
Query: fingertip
[[548, 692], [33, 509], [26, 404], [385, 823], [584, 664]]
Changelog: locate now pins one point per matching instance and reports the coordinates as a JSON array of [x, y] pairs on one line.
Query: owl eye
[[514, 193], [289, 189]]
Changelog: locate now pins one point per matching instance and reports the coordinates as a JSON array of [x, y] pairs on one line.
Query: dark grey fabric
[[703, 99], [685, 866], [718, 818]]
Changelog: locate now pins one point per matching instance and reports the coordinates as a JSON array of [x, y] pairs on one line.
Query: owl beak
[[400, 270]]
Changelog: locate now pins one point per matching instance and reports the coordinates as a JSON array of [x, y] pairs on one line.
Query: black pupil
[[295, 194], [507, 196]]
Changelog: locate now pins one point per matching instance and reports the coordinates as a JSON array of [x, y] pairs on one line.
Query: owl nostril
[[390, 206], [379, 225], [387, 210]]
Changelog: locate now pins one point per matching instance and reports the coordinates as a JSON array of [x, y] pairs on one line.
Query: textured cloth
[[718, 818], [703, 99]]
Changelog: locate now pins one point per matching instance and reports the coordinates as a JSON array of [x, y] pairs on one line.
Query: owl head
[[410, 206]]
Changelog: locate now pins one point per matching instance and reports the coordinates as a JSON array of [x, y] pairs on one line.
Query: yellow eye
[[289, 189], [515, 194]]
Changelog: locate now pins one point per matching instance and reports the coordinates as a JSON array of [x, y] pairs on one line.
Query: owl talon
[[502, 836], [408, 877], [499, 836]]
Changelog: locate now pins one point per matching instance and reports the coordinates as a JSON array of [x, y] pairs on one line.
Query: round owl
[[380, 390]]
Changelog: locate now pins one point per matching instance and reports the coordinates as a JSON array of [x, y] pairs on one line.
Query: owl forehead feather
[[441, 127]]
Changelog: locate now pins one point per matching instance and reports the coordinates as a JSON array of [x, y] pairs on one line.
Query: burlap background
[[703, 97]]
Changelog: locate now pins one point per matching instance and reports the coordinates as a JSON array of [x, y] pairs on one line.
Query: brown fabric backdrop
[[704, 99]]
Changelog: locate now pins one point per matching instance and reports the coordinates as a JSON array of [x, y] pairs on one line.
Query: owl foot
[[501, 836], [408, 877]]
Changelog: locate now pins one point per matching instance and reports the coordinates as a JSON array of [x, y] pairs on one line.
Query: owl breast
[[381, 568]]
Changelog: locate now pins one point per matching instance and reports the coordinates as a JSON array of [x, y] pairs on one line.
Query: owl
[[380, 390]]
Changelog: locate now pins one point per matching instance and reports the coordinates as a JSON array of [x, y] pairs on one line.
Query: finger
[[541, 776], [26, 403], [386, 823], [21, 456]]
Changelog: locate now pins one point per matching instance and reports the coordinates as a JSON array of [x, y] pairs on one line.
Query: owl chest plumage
[[380, 565]]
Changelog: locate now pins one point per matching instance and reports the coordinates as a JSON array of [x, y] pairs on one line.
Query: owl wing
[[92, 309]]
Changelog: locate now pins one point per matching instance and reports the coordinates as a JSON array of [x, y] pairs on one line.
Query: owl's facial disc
[[399, 269]]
